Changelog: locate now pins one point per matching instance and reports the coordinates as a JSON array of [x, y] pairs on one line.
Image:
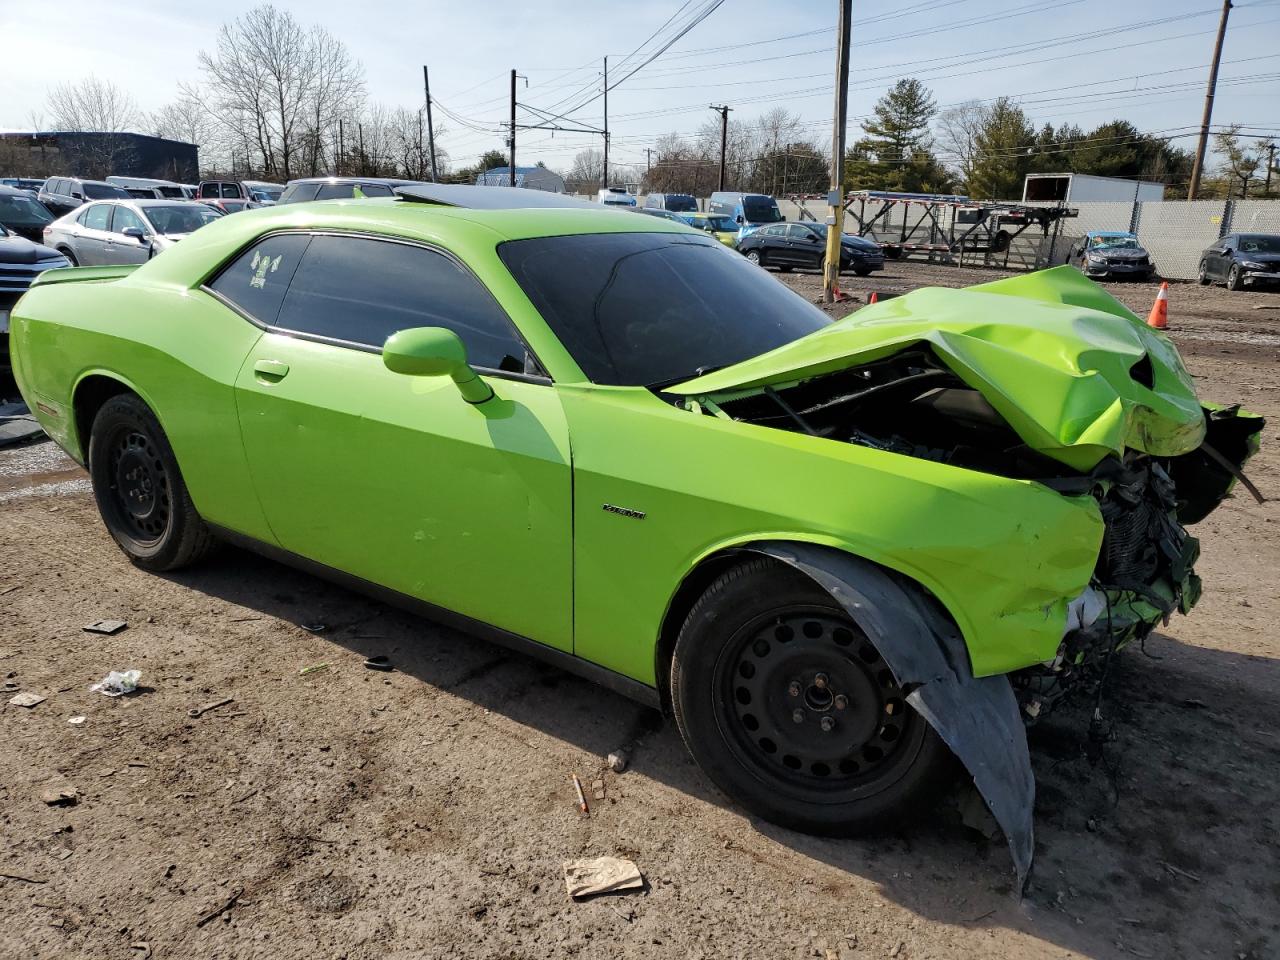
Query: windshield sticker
[[261, 266]]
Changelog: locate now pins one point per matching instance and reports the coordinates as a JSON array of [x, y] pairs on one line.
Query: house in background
[[533, 178]]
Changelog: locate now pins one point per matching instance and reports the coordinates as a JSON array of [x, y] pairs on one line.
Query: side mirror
[[435, 352], [738, 219], [135, 233]]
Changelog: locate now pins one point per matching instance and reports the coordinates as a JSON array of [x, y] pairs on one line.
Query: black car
[[63, 194], [339, 188], [788, 245], [23, 214], [20, 261], [1242, 258], [1111, 254]]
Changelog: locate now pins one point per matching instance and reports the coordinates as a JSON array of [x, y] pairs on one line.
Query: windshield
[[681, 203], [266, 195], [1115, 243], [655, 308], [184, 219], [1260, 244], [104, 191], [23, 211], [722, 224], [761, 210]]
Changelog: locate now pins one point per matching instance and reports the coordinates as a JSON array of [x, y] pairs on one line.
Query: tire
[[1234, 280], [786, 268], [139, 489], [66, 252], [765, 646], [862, 271], [1202, 274], [756, 257]]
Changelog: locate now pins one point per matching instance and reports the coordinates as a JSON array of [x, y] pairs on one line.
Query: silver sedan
[[125, 231]]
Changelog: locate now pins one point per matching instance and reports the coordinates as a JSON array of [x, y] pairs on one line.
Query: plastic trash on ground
[[117, 683]]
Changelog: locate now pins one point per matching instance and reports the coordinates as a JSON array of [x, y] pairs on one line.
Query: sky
[[1077, 61]]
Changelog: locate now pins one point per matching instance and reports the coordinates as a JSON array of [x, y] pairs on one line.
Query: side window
[[124, 219], [256, 280], [376, 190], [207, 190], [231, 190], [96, 216], [334, 191], [362, 291]]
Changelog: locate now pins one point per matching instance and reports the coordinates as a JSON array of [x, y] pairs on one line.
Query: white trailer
[[1085, 188]]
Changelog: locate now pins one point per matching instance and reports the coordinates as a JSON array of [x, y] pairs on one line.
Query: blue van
[[747, 210]]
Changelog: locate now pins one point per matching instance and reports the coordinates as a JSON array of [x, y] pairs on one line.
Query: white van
[[616, 197]]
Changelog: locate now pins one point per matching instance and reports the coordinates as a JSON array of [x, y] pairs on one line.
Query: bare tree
[[189, 120], [337, 91], [102, 111], [1240, 162], [957, 130], [586, 172]]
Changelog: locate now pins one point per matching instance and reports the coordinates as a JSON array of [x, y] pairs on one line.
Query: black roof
[[489, 198]]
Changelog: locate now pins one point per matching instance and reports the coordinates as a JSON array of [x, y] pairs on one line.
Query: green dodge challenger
[[843, 555]]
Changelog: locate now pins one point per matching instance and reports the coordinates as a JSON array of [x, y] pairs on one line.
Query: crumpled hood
[[1051, 351]]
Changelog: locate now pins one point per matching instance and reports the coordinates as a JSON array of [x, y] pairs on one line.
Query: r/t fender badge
[[625, 511]]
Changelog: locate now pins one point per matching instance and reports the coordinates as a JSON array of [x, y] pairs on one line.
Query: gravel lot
[[426, 812]]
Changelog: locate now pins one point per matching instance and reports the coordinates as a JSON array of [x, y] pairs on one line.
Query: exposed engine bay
[[911, 404]]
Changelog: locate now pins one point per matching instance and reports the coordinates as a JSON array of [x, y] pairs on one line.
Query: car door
[[397, 479], [121, 249], [810, 251], [1218, 258], [91, 232]]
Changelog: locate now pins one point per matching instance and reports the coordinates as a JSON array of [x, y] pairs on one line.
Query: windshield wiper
[[699, 372]]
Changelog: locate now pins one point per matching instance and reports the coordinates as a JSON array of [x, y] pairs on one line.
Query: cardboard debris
[[592, 877], [108, 627], [26, 699]]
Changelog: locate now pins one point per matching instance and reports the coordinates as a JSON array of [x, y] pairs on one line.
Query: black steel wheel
[[139, 489], [791, 709]]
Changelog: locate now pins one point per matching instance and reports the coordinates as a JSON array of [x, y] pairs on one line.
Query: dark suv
[[339, 188], [23, 214], [20, 262], [63, 194], [1252, 258]]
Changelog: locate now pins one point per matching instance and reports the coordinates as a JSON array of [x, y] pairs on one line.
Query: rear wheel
[[789, 707], [71, 257], [139, 489], [1235, 281], [755, 257], [1202, 274], [862, 271]]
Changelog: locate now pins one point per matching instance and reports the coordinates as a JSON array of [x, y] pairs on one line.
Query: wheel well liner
[[978, 719], [90, 394]]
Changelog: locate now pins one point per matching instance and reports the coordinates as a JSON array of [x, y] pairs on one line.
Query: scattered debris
[[197, 711], [1195, 704], [108, 627], [26, 700], [582, 797], [618, 760], [117, 683], [251, 793], [982, 916], [380, 662], [1178, 871], [597, 789], [75, 721], [975, 815], [144, 947], [897, 951], [215, 914], [245, 619], [60, 796], [314, 668], [8, 590], [592, 877], [314, 627], [18, 876]]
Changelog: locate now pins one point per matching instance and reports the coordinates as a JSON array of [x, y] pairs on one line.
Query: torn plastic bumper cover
[[977, 718]]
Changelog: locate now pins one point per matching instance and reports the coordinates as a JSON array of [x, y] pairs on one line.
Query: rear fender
[[977, 718]]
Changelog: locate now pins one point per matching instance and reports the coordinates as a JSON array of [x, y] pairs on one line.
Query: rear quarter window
[[256, 280]]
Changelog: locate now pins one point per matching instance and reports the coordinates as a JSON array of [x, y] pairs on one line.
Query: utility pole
[[1271, 162], [1198, 168], [648, 160], [431, 133], [835, 199], [724, 137], [341, 148], [360, 130], [512, 180], [605, 184]]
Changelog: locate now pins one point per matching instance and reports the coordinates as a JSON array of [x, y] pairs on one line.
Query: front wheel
[[140, 492], [789, 707], [1202, 274], [1234, 280]]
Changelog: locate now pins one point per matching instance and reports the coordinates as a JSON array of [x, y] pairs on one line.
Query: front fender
[[977, 718]]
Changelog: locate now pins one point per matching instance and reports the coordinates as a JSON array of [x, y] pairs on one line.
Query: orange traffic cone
[[874, 298], [1159, 316]]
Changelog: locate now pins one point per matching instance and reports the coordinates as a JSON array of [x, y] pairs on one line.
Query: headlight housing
[[1253, 265], [1094, 258]]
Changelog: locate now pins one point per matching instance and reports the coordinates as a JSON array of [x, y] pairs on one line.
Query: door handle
[[270, 371]]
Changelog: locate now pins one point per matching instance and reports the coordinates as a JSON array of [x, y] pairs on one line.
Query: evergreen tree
[[895, 152], [1004, 149]]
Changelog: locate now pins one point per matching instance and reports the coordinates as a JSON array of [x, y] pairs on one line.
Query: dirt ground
[[427, 812]]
